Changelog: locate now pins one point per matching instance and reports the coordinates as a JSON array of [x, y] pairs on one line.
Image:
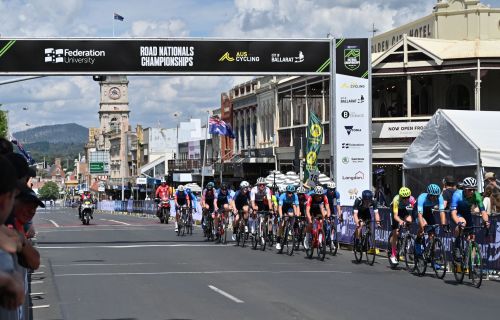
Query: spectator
[[487, 199], [491, 179], [449, 187]]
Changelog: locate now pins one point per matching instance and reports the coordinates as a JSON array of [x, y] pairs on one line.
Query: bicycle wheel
[[308, 239], [420, 262], [334, 241], [293, 239], [179, 228], [458, 263], [321, 249], [284, 240], [223, 235], [263, 236], [438, 259], [475, 265], [371, 250], [358, 249], [409, 253]]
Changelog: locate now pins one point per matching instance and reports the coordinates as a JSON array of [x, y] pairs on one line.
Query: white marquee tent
[[457, 138]]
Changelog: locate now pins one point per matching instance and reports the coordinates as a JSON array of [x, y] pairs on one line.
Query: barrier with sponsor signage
[[147, 207]]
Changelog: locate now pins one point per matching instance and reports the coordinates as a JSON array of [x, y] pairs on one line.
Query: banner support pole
[[333, 111]]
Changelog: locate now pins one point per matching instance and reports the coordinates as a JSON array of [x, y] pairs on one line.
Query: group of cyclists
[[323, 202]]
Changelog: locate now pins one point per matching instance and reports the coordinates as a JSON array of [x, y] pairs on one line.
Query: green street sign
[[97, 167]]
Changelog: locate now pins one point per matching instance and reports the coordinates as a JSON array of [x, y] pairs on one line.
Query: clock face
[[114, 93]]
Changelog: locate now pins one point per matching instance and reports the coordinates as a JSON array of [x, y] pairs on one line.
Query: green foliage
[[49, 191], [3, 124]]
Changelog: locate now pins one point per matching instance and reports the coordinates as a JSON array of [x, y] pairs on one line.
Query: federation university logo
[[54, 55], [352, 58]]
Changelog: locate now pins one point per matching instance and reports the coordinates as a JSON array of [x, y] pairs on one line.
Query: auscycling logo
[[72, 55], [241, 56]]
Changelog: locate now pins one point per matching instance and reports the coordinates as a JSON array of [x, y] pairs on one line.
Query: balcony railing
[[188, 164]]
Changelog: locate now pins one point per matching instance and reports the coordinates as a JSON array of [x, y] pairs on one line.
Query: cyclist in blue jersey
[[289, 203], [334, 199], [426, 203], [223, 200], [241, 203], [463, 203], [181, 199]]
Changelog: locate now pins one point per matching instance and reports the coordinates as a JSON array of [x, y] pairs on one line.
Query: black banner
[[151, 56], [350, 59]]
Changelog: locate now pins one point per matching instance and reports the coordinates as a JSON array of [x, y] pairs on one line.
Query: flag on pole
[[23, 151], [314, 141], [116, 16], [218, 126]]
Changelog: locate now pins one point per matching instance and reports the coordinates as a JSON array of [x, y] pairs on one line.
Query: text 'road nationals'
[[166, 56]]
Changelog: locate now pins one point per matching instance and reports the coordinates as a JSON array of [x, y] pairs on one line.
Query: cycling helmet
[[210, 185], [188, 190], [261, 180], [180, 188], [404, 192], [290, 188], [301, 190], [470, 183], [223, 186], [318, 190], [331, 185], [434, 190], [367, 195], [282, 188], [244, 184]]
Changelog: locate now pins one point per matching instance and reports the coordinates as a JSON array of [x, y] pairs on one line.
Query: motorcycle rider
[[86, 195], [162, 194]]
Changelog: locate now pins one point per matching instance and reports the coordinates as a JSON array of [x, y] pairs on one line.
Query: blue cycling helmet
[[434, 190], [290, 188], [367, 195], [210, 185]]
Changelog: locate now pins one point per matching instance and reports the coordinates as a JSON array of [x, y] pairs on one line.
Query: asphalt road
[[123, 267]]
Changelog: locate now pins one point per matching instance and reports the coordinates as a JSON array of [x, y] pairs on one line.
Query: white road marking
[[40, 307], [101, 264], [54, 223], [37, 293], [35, 282], [195, 272], [138, 246], [225, 294], [120, 222], [39, 272]]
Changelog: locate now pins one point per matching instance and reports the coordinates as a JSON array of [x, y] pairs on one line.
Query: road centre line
[[225, 294], [138, 246], [103, 264], [198, 272]]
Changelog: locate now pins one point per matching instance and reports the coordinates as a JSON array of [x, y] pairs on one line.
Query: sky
[[153, 100]]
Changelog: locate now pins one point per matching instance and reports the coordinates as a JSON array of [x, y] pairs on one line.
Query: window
[[285, 108], [458, 97], [315, 98], [284, 138]]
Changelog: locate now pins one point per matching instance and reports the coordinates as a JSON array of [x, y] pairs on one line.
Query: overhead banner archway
[[164, 57], [350, 89]]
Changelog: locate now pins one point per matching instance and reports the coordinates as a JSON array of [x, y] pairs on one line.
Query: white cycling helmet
[[301, 189], [261, 180], [244, 184], [470, 183], [331, 185], [282, 188], [319, 190], [180, 188]]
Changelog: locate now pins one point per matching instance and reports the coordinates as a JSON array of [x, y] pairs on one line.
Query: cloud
[[169, 28]]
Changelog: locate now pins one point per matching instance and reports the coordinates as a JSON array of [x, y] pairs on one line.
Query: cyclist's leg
[[394, 236]]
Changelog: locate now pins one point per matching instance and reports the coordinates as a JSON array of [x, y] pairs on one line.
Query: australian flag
[[218, 126], [118, 17], [23, 151]]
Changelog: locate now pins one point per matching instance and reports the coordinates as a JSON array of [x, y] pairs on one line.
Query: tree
[[3, 124], [49, 191]]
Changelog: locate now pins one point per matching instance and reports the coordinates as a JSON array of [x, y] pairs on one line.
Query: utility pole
[[374, 30]]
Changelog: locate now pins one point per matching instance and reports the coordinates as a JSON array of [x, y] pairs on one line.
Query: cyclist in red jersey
[[316, 206]]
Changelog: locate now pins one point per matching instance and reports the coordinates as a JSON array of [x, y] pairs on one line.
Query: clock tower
[[113, 108]]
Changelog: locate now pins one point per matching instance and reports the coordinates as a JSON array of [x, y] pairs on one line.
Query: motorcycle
[[87, 208], [163, 211]]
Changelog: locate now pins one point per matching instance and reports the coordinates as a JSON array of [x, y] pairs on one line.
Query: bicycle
[[298, 232], [260, 231], [221, 227], [209, 225], [332, 241], [316, 240], [241, 234], [182, 227], [287, 240], [405, 247], [433, 252], [365, 244], [470, 259]]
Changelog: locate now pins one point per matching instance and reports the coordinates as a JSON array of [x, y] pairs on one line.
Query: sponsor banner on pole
[[352, 118], [314, 141], [163, 56]]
